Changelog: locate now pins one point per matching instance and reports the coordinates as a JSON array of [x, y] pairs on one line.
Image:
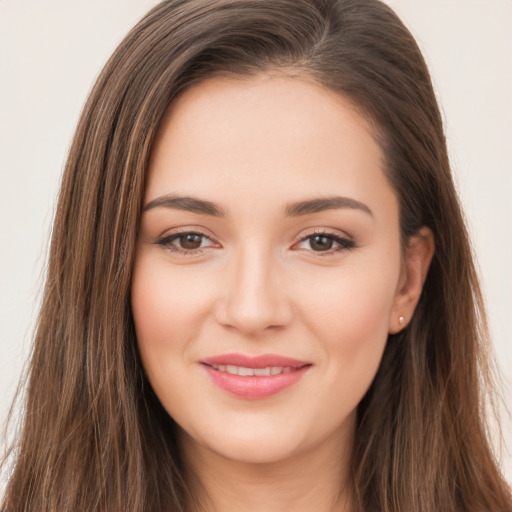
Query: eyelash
[[344, 244], [166, 242]]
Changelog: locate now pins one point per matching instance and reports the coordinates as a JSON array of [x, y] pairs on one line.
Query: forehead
[[288, 134], [262, 102]]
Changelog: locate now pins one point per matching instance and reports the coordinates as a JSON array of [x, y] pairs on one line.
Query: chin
[[262, 451], [247, 445]]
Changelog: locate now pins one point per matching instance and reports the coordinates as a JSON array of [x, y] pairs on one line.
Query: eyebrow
[[190, 204], [307, 207], [324, 203]]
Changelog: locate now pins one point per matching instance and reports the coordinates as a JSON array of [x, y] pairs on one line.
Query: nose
[[255, 298]]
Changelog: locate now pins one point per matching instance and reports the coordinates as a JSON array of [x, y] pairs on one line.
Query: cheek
[[165, 303], [353, 304], [165, 306], [350, 317]]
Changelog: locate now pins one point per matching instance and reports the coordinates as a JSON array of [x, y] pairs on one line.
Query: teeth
[[233, 370], [251, 372], [262, 371]]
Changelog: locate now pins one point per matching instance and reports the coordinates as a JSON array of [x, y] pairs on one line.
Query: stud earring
[[401, 319]]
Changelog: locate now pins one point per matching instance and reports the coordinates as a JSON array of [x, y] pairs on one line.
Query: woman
[[260, 291]]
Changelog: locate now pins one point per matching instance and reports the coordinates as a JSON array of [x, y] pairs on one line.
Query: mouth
[[252, 372], [254, 377]]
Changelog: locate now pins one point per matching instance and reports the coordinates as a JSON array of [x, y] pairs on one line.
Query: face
[[268, 267]]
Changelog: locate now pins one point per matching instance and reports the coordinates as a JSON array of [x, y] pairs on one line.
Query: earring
[[401, 319]]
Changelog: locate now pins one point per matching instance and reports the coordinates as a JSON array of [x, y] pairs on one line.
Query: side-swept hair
[[94, 435]]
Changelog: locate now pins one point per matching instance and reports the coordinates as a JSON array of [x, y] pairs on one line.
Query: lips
[[254, 377]]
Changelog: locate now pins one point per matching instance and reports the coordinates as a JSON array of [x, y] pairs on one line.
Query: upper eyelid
[[199, 231], [343, 240], [183, 231], [177, 234], [329, 232], [334, 233]]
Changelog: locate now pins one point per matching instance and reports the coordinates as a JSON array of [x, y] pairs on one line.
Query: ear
[[418, 256]]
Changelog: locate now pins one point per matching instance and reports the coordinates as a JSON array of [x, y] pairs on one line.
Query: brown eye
[[190, 241], [326, 243], [321, 243], [187, 243]]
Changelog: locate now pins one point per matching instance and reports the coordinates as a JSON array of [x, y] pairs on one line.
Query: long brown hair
[[94, 435]]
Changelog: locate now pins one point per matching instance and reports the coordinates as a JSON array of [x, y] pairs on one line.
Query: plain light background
[[52, 51]]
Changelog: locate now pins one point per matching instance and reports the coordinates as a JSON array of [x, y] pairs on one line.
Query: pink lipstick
[[254, 377]]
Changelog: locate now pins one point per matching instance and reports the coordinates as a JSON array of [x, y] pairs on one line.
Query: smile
[[250, 372], [254, 378]]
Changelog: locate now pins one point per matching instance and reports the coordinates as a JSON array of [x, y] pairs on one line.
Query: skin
[[257, 284]]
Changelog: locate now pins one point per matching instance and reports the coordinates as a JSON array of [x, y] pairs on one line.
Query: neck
[[314, 479]]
